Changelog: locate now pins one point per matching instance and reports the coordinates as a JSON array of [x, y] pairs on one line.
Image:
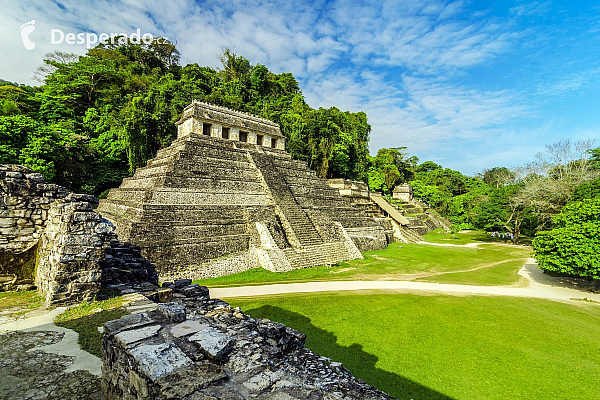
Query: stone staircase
[[410, 235], [320, 201], [298, 225]]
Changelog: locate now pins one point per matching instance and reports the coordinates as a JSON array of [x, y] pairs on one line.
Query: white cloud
[[402, 62]]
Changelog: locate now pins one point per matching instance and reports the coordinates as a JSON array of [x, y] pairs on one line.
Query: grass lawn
[[85, 319], [450, 347], [499, 265], [17, 303]]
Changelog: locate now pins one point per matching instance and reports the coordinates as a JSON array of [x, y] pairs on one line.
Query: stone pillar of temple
[[267, 141], [216, 130], [280, 144], [190, 125], [252, 137]]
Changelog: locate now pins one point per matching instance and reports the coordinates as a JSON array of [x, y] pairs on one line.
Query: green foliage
[[588, 190], [100, 116], [498, 176], [572, 247], [454, 195], [389, 168], [23, 140]]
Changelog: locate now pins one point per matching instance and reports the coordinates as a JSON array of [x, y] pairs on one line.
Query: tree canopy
[[99, 116]]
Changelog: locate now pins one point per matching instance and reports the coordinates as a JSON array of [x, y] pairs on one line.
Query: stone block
[[160, 360], [187, 328], [174, 312], [213, 342], [130, 321], [130, 337], [180, 283], [35, 177]]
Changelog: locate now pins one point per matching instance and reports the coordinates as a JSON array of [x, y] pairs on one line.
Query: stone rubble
[[217, 352]]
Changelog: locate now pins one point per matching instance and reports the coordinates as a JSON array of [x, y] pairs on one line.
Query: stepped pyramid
[[226, 197], [398, 228]]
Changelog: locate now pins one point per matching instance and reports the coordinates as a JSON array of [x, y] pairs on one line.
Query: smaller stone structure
[[79, 252], [199, 348], [403, 192]]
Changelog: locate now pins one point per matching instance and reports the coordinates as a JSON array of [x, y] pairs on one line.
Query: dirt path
[[452, 245], [490, 265], [540, 286]]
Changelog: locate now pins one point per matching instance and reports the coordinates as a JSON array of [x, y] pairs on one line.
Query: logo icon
[[26, 29]]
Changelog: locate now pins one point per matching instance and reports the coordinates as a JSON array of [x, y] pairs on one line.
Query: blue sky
[[466, 84]]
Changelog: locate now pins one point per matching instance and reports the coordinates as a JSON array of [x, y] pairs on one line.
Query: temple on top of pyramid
[[226, 197], [221, 122]]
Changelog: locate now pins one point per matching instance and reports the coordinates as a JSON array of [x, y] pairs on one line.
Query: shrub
[[573, 246]]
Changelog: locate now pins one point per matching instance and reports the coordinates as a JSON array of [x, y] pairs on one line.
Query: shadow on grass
[[353, 357]]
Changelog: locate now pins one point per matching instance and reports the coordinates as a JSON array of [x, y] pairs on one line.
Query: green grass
[[85, 319], [450, 347], [504, 274], [17, 303], [401, 261]]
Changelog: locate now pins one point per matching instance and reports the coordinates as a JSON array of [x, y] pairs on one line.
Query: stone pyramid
[[226, 197]]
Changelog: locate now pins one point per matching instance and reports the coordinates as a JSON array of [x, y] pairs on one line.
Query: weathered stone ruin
[[226, 197], [422, 218], [403, 192], [397, 227], [406, 218], [54, 238], [199, 348], [25, 200]]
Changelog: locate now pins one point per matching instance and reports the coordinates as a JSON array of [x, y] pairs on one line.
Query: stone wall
[[79, 253], [198, 348], [25, 199], [55, 238]]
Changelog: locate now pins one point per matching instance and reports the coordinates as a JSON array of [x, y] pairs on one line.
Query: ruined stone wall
[[71, 248], [79, 253], [25, 199], [198, 348], [54, 238]]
